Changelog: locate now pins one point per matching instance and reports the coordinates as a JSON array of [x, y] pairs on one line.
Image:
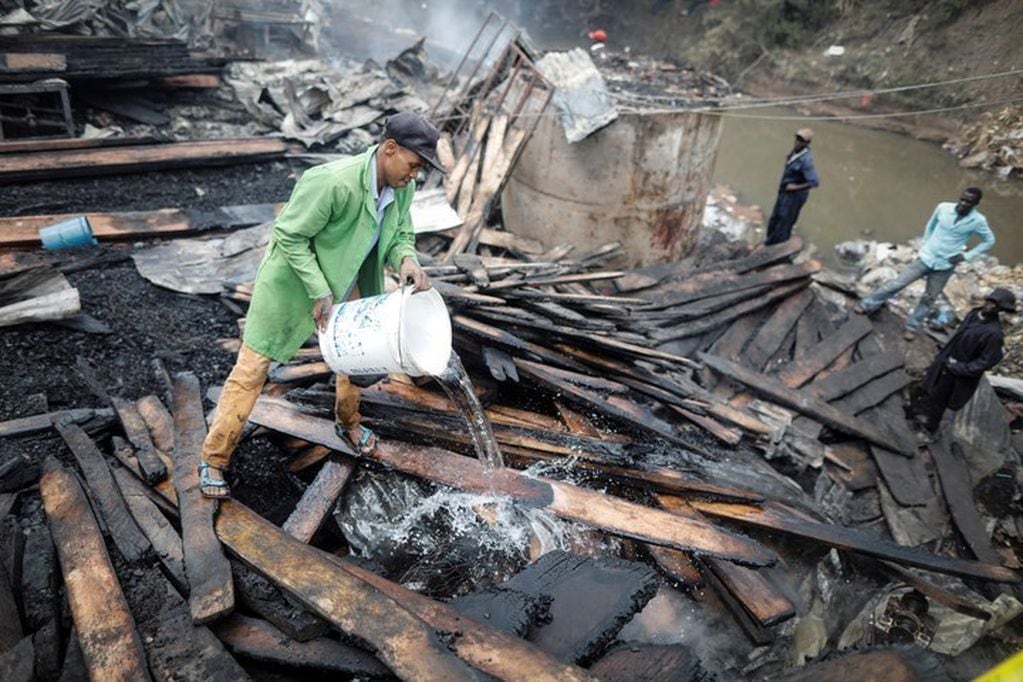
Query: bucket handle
[[406, 291]]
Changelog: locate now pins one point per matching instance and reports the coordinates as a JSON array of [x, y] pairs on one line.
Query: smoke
[[447, 24]]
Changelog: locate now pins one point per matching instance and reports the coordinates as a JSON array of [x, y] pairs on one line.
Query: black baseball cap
[[415, 133]]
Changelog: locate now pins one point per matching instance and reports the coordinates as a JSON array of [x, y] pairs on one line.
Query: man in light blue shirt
[[947, 232]]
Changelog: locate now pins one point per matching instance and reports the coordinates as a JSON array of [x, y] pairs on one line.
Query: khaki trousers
[[239, 395], [242, 389]]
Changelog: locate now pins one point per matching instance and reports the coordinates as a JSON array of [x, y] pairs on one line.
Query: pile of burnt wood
[[665, 388]]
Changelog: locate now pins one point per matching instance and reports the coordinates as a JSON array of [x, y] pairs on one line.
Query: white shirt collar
[[381, 198]]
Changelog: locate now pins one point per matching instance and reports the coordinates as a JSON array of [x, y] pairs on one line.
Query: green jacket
[[321, 242]]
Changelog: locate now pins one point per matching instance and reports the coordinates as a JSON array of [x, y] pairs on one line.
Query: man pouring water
[[345, 222]]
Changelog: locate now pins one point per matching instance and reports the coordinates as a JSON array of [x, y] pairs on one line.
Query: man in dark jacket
[[975, 347], [797, 179]]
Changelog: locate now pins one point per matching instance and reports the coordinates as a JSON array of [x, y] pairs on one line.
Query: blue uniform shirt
[[799, 168], [944, 236]]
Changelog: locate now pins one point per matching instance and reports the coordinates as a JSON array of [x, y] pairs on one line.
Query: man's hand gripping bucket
[[397, 332]]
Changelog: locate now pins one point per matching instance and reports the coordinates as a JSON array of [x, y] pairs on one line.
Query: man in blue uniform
[[946, 233], [798, 178]]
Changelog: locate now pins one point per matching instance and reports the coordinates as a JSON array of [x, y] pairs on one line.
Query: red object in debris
[[599, 35]]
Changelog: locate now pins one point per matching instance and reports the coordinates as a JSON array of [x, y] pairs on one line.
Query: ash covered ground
[[39, 361]]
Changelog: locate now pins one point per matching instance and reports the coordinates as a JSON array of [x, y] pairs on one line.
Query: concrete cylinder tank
[[642, 180]]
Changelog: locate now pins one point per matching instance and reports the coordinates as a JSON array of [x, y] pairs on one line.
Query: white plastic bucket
[[397, 332]]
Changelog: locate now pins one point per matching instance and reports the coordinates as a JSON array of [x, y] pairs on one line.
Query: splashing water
[[441, 541], [455, 382]]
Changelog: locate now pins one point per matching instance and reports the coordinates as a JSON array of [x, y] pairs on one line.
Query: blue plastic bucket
[[68, 234]]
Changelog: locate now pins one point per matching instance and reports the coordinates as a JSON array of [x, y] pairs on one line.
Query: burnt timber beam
[[21, 167], [211, 588], [774, 516], [106, 630]]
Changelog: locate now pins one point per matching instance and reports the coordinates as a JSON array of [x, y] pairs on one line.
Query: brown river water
[[874, 184]]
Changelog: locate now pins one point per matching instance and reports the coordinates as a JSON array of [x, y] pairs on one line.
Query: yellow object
[[1009, 670]]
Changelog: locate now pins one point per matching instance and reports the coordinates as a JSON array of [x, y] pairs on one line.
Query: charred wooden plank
[[125, 454], [162, 536], [130, 541], [403, 642], [18, 663], [309, 371], [167, 222], [705, 324], [159, 421], [642, 278], [678, 566], [41, 422], [150, 465], [561, 279], [802, 369], [620, 409], [957, 485], [176, 648], [508, 610], [857, 470], [49, 648], [777, 327], [211, 590], [613, 514], [710, 284], [10, 622], [577, 422], [710, 425], [697, 309], [730, 345], [649, 663], [757, 633], [756, 594], [840, 383], [761, 599], [906, 477], [261, 597], [495, 652], [260, 641], [12, 552], [318, 499], [18, 472], [307, 457], [782, 394], [776, 517], [47, 144], [73, 163], [106, 631], [873, 392], [585, 618], [40, 600]]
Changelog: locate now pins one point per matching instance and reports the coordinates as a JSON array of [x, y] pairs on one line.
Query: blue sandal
[[362, 447], [212, 487]]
